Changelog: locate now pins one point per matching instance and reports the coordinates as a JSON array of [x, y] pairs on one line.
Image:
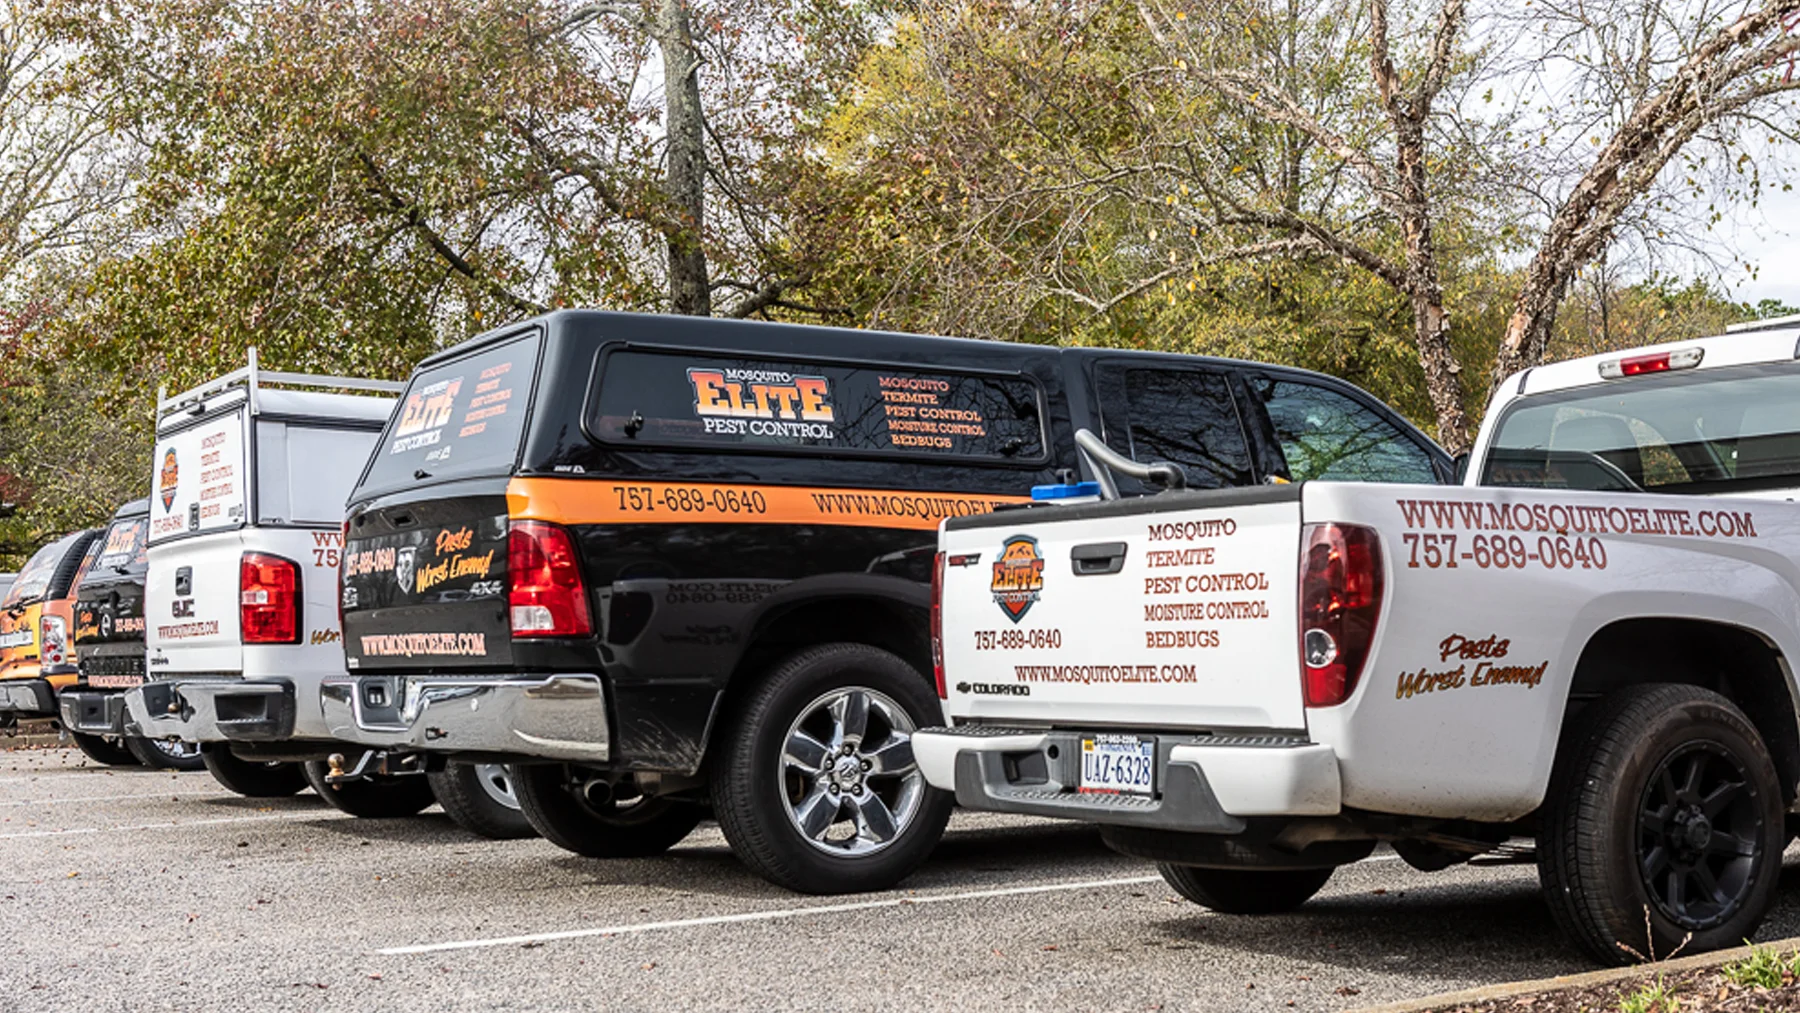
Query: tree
[[62, 177], [1055, 173], [1358, 133], [1644, 96], [527, 153]]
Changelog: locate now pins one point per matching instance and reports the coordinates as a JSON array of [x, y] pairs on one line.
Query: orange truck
[[37, 628]]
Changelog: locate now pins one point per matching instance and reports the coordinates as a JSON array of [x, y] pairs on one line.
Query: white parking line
[[115, 798], [317, 814], [764, 916]]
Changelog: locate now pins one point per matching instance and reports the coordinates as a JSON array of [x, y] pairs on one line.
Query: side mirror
[[1459, 468]]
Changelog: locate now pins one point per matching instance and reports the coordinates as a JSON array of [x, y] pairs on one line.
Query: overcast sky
[[1769, 237]]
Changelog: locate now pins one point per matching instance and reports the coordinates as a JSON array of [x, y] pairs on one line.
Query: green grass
[[1763, 968], [1650, 998]]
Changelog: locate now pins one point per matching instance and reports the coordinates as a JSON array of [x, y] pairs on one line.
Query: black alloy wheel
[[1699, 835]]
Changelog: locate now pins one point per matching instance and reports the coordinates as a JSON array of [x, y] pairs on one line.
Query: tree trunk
[[1528, 330], [690, 290], [1431, 322], [1443, 376]]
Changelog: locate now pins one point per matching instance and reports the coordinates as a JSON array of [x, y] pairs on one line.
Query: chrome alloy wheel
[[496, 781], [848, 774]]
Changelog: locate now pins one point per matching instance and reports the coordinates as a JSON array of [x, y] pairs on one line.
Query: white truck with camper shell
[[251, 471], [1581, 656]]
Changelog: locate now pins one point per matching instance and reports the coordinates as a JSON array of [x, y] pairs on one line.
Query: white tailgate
[[196, 631], [1195, 629]]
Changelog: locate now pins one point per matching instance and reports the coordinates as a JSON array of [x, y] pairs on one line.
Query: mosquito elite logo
[[736, 402], [1018, 576], [168, 479]]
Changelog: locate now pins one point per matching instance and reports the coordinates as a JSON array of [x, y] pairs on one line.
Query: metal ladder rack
[[252, 378]]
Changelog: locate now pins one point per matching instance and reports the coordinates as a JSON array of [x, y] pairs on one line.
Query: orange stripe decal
[[602, 501]]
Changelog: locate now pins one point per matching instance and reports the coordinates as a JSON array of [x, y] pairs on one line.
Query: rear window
[[459, 418], [1709, 431], [35, 578], [753, 404], [125, 546]]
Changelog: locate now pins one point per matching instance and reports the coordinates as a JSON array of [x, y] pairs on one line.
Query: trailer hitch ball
[[336, 762]]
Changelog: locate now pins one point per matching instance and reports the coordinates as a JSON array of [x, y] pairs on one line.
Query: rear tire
[[1664, 807], [108, 750], [162, 754], [251, 778], [814, 782], [481, 799], [634, 827], [375, 797], [1245, 891]]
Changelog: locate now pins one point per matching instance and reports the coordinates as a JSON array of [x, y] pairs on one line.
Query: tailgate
[[1172, 611], [424, 587]]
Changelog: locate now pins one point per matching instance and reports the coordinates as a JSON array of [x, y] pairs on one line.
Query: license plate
[[1118, 764], [115, 681]]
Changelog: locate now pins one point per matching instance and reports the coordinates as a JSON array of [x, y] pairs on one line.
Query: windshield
[[1716, 431], [34, 580], [458, 418]]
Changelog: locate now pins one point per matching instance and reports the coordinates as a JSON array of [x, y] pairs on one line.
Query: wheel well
[[893, 626], [1730, 660]]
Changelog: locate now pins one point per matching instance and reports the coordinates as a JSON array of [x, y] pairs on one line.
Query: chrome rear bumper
[[553, 717]]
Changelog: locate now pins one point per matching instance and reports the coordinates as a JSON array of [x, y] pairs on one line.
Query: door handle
[[1098, 559]]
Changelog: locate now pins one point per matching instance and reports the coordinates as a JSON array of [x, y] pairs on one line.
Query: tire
[[104, 749], [376, 797], [1673, 777], [631, 827], [164, 754], [1245, 891], [481, 799], [251, 778], [800, 818]]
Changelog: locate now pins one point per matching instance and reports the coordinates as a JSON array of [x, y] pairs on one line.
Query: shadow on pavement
[[1489, 930], [970, 859]]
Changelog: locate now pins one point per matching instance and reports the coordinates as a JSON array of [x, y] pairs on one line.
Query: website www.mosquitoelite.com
[[1104, 674], [903, 504]]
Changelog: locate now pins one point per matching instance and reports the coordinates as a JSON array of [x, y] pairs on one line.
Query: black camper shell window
[[677, 398], [458, 418]]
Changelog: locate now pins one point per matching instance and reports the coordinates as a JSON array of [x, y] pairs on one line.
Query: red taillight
[[937, 625], [268, 599], [1340, 598], [547, 596], [1644, 364], [53, 644], [1656, 362]]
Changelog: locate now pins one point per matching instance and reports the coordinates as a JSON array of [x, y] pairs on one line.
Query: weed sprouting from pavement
[[1650, 943]]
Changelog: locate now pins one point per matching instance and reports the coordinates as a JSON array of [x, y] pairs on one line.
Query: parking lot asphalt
[[125, 889]]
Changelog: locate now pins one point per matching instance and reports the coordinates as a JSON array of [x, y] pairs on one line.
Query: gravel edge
[[1511, 989]]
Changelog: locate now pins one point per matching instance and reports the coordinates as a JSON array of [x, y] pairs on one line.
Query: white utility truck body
[[1278, 678], [247, 503]]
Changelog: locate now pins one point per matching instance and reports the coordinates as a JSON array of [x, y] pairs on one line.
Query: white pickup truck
[[1582, 655]]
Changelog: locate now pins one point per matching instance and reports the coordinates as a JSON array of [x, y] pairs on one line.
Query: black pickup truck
[[671, 566], [109, 648]]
